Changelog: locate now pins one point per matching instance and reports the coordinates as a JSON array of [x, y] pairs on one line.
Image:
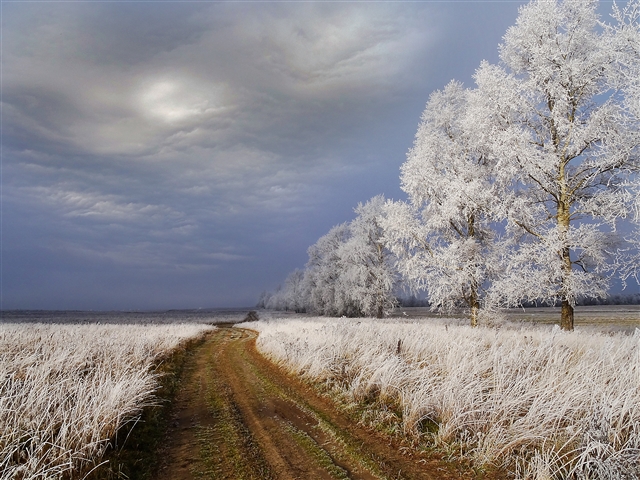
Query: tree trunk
[[474, 302], [566, 320], [474, 315], [564, 222], [381, 292], [475, 306]]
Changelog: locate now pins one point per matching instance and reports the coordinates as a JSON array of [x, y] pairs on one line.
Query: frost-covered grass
[[541, 402], [65, 390]]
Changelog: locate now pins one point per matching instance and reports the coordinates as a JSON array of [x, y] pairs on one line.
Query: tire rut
[[239, 416]]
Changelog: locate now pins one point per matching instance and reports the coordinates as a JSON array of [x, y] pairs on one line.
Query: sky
[[160, 155]]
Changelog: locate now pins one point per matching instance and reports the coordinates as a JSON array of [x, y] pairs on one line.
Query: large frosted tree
[[625, 32], [557, 115], [630, 262], [444, 237]]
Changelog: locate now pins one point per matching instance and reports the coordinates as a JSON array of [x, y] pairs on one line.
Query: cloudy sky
[[185, 155]]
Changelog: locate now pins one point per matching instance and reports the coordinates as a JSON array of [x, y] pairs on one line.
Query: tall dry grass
[[543, 403], [65, 390]]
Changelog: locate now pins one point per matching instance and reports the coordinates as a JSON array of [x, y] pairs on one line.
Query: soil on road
[[237, 416]]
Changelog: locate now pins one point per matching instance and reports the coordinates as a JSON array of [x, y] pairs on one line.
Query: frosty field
[[524, 397], [65, 390], [540, 402]]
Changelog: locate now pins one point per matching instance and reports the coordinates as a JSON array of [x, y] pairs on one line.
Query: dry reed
[[65, 390], [543, 403]]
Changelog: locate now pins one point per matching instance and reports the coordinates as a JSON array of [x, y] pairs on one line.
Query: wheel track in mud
[[238, 416]]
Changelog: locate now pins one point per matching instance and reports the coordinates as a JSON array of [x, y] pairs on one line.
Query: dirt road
[[239, 417]]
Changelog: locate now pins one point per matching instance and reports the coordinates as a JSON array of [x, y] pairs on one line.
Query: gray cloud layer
[[175, 155]]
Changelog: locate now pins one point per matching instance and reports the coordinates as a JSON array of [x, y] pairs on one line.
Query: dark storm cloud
[[177, 155]]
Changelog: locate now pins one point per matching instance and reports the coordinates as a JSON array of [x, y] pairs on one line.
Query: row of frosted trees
[[517, 188], [350, 272]]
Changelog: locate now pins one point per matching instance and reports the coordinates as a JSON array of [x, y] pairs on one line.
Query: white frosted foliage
[[562, 131], [323, 270], [350, 271], [444, 237], [368, 272]]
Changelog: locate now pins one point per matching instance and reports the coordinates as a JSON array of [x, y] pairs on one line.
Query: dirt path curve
[[237, 416]]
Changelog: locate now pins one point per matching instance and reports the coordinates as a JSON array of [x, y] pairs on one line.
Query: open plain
[[273, 401]]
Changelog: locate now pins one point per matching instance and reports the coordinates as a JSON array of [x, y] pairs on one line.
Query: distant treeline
[[413, 301], [614, 299]]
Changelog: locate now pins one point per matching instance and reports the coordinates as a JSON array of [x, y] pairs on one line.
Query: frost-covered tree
[[368, 274], [263, 300], [444, 238], [624, 38], [557, 116], [293, 296], [349, 272], [625, 35], [326, 294], [630, 258]]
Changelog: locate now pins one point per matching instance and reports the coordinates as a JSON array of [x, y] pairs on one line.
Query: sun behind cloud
[[174, 101]]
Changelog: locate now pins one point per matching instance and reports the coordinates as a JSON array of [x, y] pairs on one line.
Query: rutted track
[[238, 416]]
